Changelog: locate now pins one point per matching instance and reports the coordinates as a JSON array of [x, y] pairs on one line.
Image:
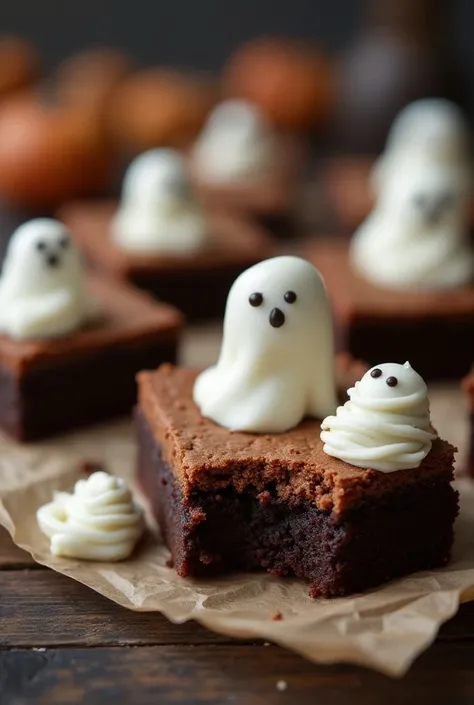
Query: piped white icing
[[382, 427], [99, 521], [236, 144], [158, 213], [42, 290], [276, 364], [418, 232]]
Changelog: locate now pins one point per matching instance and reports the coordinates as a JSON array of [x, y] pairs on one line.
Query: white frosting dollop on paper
[[417, 235], [42, 289], [276, 364], [99, 521], [382, 427], [158, 213], [236, 144]]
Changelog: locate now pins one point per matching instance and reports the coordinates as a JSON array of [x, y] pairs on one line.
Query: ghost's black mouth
[[53, 260], [277, 318]]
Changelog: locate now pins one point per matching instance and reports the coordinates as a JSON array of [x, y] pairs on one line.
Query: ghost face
[[275, 306], [390, 381], [41, 257], [156, 176]]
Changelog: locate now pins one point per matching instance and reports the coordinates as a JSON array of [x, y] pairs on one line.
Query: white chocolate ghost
[[386, 424], [158, 213], [417, 235], [276, 364], [42, 292], [236, 144]]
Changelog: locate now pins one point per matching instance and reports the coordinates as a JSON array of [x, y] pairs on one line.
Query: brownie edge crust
[[212, 530]]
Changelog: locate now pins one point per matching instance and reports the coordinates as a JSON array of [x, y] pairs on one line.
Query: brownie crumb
[[206, 558], [89, 466], [170, 563], [197, 516], [277, 616]]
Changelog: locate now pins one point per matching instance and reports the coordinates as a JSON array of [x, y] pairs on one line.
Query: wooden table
[[62, 644]]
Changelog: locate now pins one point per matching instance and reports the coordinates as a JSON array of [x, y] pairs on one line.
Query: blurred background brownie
[[197, 284], [431, 329]]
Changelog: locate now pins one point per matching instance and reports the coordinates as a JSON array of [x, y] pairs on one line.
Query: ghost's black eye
[[41, 246], [290, 297], [392, 381], [376, 372], [256, 299], [64, 242]]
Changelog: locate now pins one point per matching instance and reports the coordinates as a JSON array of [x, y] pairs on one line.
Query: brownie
[[237, 501], [48, 386], [468, 386], [197, 284], [272, 201], [433, 330]]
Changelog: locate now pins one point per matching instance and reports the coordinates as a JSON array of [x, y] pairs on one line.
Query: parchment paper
[[385, 628]]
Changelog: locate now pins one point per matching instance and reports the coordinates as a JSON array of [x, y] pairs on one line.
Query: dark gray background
[[198, 33]]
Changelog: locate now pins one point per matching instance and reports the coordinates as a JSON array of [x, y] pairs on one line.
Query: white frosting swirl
[[237, 143], [418, 232], [158, 213], [99, 521], [42, 290], [385, 425]]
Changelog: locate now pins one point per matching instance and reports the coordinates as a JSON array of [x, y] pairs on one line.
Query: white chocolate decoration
[[158, 213], [417, 235], [385, 425], [236, 144], [42, 289], [276, 364], [99, 521]]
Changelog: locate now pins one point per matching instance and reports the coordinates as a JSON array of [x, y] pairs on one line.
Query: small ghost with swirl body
[[236, 144], [417, 235], [158, 213], [42, 287], [385, 425]]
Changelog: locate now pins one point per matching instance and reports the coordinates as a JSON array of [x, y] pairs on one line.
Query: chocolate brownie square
[[53, 385], [433, 330], [197, 284], [237, 501]]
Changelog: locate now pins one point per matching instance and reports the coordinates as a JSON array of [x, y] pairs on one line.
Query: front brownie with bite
[[196, 283], [230, 501], [53, 385]]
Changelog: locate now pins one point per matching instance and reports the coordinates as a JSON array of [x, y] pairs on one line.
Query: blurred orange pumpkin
[[20, 65], [290, 81], [48, 154], [88, 78], [159, 107]]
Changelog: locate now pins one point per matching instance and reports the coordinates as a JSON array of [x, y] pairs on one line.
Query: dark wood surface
[[60, 643]]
